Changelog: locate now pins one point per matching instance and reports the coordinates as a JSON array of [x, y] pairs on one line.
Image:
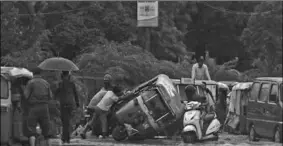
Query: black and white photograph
[[138, 73]]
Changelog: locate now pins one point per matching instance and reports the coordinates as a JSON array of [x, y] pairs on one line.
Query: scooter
[[194, 127]]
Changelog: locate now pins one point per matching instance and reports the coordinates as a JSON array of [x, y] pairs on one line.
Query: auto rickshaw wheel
[[119, 133], [277, 136], [189, 137], [252, 134]]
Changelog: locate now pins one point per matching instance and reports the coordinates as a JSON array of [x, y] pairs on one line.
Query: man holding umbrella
[[68, 98], [66, 92]]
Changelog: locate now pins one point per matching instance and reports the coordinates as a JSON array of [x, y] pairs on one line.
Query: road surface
[[225, 139]]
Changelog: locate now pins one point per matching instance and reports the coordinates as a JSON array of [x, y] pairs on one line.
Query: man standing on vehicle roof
[[96, 99], [38, 94], [200, 70]]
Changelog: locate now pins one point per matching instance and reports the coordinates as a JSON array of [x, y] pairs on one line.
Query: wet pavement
[[225, 139]]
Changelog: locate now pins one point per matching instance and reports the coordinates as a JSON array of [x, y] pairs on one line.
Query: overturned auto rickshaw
[[154, 106], [237, 111], [12, 105]]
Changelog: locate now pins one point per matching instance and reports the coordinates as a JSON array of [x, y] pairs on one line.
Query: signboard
[[147, 13]]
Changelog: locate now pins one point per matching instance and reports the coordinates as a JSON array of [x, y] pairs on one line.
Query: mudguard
[[189, 128]]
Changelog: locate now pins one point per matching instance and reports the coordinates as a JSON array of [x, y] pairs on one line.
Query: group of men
[[101, 104], [38, 93]]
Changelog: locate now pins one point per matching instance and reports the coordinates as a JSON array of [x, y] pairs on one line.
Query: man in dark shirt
[[38, 94], [68, 98]]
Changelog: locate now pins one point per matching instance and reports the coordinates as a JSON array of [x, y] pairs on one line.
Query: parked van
[[265, 107]]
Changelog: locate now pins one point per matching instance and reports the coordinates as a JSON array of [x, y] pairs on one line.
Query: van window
[[264, 92], [274, 91], [254, 91], [4, 89]]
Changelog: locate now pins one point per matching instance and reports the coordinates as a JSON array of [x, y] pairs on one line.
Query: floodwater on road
[[225, 139]]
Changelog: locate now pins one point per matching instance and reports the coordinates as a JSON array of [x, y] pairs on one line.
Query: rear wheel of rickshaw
[[278, 135], [252, 134], [189, 137], [119, 133]]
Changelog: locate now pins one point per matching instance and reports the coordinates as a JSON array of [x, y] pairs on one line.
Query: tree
[[263, 35]]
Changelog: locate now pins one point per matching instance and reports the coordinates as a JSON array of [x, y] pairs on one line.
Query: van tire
[[277, 135], [252, 134]]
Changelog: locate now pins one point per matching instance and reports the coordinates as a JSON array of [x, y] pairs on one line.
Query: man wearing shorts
[[38, 94]]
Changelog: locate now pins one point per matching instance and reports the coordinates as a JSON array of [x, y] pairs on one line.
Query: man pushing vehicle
[[95, 100], [102, 108]]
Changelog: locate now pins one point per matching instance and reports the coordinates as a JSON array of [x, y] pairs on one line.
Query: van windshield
[[4, 88]]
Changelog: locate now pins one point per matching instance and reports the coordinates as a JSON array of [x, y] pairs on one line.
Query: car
[[265, 107]]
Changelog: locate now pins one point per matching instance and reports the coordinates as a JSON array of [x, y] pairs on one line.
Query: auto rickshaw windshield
[[4, 88]]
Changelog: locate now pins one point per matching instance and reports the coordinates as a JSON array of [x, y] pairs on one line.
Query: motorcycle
[[195, 129]]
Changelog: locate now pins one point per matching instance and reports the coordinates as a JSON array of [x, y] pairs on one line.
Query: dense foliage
[[103, 37]]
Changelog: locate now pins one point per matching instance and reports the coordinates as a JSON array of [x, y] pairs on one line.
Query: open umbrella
[[59, 64]]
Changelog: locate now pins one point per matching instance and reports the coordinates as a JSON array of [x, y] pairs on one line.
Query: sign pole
[[147, 12]]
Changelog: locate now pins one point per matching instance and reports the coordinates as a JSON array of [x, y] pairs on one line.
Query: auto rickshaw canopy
[[174, 98], [242, 86], [210, 84], [223, 86], [230, 84], [235, 97], [15, 72]]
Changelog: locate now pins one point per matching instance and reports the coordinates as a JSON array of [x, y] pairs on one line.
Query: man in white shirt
[[200, 70], [95, 100], [103, 107]]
